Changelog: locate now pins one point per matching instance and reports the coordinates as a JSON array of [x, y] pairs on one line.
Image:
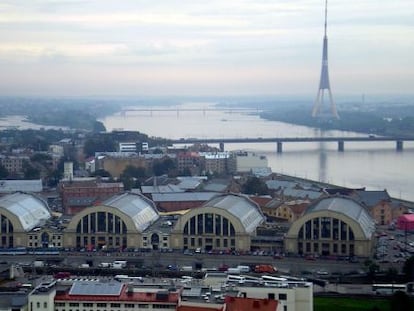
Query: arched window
[[209, 223]]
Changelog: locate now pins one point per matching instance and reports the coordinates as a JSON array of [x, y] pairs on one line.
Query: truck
[[265, 269], [186, 268]]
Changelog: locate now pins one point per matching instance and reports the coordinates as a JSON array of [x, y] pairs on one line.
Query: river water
[[374, 165]]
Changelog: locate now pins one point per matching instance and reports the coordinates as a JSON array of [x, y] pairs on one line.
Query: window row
[[326, 228], [209, 223], [101, 222], [6, 225]]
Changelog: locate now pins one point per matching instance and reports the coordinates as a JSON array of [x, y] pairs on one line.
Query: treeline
[[388, 122], [72, 113]]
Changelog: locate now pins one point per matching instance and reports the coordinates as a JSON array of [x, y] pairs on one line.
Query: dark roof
[[342, 191], [371, 198]]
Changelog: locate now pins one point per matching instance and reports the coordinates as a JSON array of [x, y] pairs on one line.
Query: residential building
[[14, 164], [215, 162]]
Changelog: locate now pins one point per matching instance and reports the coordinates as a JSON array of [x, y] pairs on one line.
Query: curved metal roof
[[29, 209], [348, 207], [141, 210], [241, 207]]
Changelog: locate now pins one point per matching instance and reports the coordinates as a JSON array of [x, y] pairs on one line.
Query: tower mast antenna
[[324, 84]]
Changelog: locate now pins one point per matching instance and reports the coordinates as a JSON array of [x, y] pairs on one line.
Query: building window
[[282, 296], [325, 227]]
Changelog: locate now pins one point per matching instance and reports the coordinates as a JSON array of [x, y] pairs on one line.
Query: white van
[[244, 269], [233, 271], [235, 279], [119, 264]]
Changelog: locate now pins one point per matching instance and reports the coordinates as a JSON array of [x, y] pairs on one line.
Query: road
[[292, 265]]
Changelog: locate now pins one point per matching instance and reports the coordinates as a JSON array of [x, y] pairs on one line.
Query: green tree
[[408, 269], [132, 176], [255, 185], [101, 173], [30, 172], [54, 177], [4, 173], [161, 167], [99, 144], [400, 301], [98, 126], [372, 267]]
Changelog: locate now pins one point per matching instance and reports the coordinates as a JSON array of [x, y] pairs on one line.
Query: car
[[310, 257], [322, 272]]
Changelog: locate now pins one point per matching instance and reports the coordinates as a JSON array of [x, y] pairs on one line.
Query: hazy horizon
[[197, 48]]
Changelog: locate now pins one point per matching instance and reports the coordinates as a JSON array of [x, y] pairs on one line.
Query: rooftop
[[241, 207], [29, 209], [141, 210]]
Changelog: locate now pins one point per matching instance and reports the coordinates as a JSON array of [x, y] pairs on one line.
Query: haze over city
[[239, 47]]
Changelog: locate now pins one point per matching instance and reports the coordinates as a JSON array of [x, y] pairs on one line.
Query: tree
[[132, 176], [4, 173], [372, 267], [98, 126], [400, 301], [408, 269], [102, 173], [30, 172], [255, 185], [163, 167], [96, 144]]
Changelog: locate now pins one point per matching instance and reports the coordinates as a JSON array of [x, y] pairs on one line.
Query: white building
[[128, 147], [292, 295], [244, 161]]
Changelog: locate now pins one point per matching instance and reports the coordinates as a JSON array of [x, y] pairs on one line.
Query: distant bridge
[[178, 110], [399, 141]]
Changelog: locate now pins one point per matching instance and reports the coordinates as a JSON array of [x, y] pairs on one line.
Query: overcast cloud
[[198, 47]]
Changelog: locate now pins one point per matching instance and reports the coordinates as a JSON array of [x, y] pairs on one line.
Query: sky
[[199, 47]]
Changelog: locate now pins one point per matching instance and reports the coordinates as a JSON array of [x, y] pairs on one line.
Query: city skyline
[[80, 48]]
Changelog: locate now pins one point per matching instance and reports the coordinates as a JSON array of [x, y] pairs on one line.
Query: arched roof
[[241, 207], [348, 207], [140, 209], [30, 210]]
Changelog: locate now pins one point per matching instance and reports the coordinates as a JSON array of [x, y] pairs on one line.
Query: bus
[[232, 278], [13, 251], [389, 289]]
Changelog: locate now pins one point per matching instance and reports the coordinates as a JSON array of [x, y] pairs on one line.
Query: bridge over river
[[399, 141]]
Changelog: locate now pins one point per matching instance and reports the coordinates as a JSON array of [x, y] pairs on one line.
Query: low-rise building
[[80, 193], [332, 226]]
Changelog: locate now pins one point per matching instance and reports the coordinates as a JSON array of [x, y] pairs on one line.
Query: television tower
[[319, 108]]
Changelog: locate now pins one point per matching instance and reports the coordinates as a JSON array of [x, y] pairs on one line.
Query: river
[[376, 166]]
